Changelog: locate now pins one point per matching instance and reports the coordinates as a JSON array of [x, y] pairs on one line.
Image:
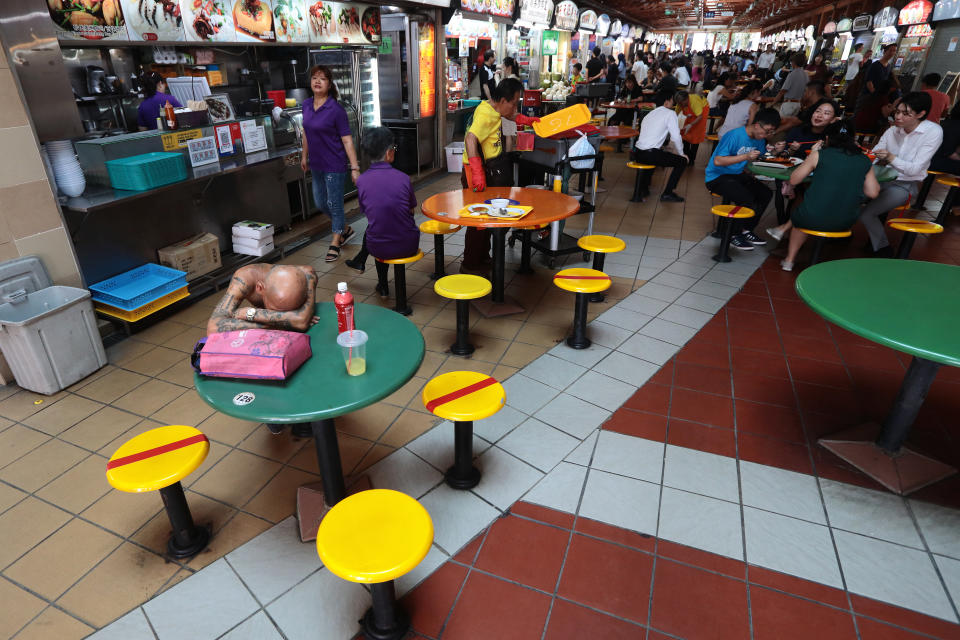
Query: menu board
[[565, 16], [253, 20], [844, 25], [862, 22], [946, 10], [428, 90], [88, 19], [830, 27], [886, 17], [603, 25], [290, 23], [538, 12], [343, 23], [916, 12], [501, 8], [208, 20], [616, 29], [550, 43], [152, 20], [588, 20]]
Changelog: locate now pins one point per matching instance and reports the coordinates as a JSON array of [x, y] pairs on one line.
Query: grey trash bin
[[48, 334]]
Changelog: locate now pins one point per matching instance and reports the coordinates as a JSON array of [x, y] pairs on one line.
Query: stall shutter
[[939, 60]]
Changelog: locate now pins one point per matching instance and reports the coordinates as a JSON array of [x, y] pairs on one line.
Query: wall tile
[[12, 113], [29, 209], [20, 162], [56, 251]]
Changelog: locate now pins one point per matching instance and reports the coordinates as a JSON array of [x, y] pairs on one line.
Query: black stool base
[[198, 544], [465, 481], [725, 235], [573, 343], [187, 539], [458, 349], [370, 630], [301, 430]]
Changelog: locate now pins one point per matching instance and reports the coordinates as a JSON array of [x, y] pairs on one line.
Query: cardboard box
[[247, 251], [252, 229], [252, 243], [197, 255]]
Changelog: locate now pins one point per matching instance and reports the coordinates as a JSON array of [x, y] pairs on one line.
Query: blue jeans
[[328, 196]]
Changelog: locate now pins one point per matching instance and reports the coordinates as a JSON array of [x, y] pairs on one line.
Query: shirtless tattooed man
[[282, 297]]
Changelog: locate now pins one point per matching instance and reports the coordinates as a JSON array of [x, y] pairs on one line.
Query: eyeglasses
[[768, 130]]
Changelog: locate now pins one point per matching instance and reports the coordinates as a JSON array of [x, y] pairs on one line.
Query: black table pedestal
[[499, 304]]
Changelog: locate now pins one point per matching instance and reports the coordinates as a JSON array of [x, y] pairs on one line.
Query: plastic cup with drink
[[353, 346]]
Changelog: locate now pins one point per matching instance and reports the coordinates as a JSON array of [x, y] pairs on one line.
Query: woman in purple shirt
[[328, 152], [155, 90], [387, 199]]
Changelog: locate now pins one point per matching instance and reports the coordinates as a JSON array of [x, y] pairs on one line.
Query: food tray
[[131, 290], [142, 312], [147, 171], [562, 120], [466, 213]]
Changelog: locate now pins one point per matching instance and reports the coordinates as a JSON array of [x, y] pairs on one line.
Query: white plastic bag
[[582, 147]]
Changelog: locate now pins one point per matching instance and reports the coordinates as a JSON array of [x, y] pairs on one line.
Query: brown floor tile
[[438, 340], [206, 512], [187, 409], [236, 478], [429, 603], [720, 603], [25, 525], [17, 441], [142, 425], [186, 341], [79, 487], [279, 447], [161, 332], [154, 361], [375, 454], [520, 355], [42, 465], [781, 617], [10, 496], [149, 397], [128, 350], [73, 550], [230, 431], [278, 499], [503, 610], [126, 578], [62, 414], [543, 335], [408, 426], [26, 403], [370, 422], [123, 513], [431, 362], [410, 392], [503, 328], [502, 372], [180, 373], [53, 623], [99, 373], [523, 551], [111, 386], [17, 607], [456, 363], [240, 529], [569, 621]]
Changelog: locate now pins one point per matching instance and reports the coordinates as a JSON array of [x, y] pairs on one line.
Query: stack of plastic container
[[137, 293], [252, 238]]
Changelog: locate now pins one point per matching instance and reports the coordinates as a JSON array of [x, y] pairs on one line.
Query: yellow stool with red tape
[[157, 460], [583, 282], [462, 397], [727, 214], [599, 246]]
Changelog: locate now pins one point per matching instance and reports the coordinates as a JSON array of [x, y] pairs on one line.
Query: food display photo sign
[[208, 20], [500, 8], [253, 20], [153, 20], [290, 21], [88, 19], [343, 23]]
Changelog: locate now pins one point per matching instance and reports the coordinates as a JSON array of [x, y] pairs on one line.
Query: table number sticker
[[244, 398]]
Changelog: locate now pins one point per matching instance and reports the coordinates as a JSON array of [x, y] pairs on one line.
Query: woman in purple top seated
[[155, 90], [328, 152], [387, 199]]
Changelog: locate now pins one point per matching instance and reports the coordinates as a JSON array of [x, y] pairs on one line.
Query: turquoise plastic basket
[[147, 171], [135, 288]]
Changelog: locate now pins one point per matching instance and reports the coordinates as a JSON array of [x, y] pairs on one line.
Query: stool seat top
[[374, 536], [915, 226], [462, 286], [826, 234], [638, 165], [936, 173], [731, 211], [581, 280], [436, 227], [536, 227], [604, 147], [157, 458], [463, 396], [950, 181], [904, 207], [407, 260], [712, 136], [601, 244]]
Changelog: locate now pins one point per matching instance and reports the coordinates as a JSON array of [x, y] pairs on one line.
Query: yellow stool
[[605, 148], [640, 167], [925, 187], [438, 229], [157, 460], [727, 214], [715, 139], [600, 246], [583, 282], [462, 397], [819, 238], [374, 537], [400, 281], [712, 123], [912, 228], [954, 183], [463, 288]]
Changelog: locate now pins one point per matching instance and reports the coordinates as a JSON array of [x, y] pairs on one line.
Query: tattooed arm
[[223, 316], [229, 316]]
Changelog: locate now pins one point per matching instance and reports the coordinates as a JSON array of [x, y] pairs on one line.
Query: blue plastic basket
[[147, 171], [137, 287]]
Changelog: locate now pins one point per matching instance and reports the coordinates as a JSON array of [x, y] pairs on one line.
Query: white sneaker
[[786, 266], [776, 233]]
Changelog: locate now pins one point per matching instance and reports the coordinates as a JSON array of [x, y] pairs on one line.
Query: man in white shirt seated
[[639, 69], [680, 73], [654, 129], [907, 147], [765, 62]]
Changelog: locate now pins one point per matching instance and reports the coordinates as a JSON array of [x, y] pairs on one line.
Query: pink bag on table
[[264, 354]]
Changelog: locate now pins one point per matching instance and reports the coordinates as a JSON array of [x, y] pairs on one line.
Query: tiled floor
[[77, 555]]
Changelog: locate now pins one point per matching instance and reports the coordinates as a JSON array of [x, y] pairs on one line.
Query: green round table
[[321, 390], [868, 297]]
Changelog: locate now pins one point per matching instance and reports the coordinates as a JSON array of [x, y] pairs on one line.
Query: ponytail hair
[[840, 135]]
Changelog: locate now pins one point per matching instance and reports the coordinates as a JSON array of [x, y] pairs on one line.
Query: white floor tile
[[684, 315], [871, 513], [661, 252], [458, 515], [499, 424], [701, 472], [629, 456], [405, 472], [622, 257], [781, 491], [256, 627], [892, 573], [584, 357], [436, 445], [627, 368], [725, 277], [665, 331], [276, 560], [538, 444], [322, 607], [736, 267], [601, 390], [792, 546], [950, 570], [607, 335], [701, 302], [624, 318], [554, 371], [697, 259], [940, 527], [647, 273], [650, 349], [714, 290], [620, 270], [205, 606], [435, 557], [584, 453], [560, 489], [526, 394], [666, 243], [642, 304], [133, 626], [505, 478], [622, 502], [674, 280], [573, 415], [701, 522], [659, 292]]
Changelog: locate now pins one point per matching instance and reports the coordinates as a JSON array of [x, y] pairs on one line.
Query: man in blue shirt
[[726, 176]]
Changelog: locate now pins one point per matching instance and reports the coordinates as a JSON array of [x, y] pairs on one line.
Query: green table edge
[[883, 174], [804, 290]]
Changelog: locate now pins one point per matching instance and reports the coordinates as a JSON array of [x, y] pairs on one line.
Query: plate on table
[[512, 201], [479, 209]]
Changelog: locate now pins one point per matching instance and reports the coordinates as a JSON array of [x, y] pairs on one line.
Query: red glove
[[523, 120], [477, 178]]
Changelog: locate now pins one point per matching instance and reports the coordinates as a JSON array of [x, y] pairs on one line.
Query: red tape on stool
[[459, 393], [156, 451]]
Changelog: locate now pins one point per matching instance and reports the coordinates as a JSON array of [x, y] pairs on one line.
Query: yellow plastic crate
[[143, 311], [215, 78]]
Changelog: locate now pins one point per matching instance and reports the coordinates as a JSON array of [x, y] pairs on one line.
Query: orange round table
[[617, 132], [548, 206]]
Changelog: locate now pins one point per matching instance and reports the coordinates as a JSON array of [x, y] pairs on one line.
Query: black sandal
[[346, 235], [333, 253]]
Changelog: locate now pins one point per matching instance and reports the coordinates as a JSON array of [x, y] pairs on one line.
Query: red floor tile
[[705, 352], [904, 617], [596, 529], [468, 554], [769, 420], [701, 559], [760, 322], [701, 378], [692, 603], [824, 350], [764, 363], [818, 372], [757, 340], [702, 407], [840, 402], [543, 514], [874, 358], [798, 587], [495, 608], [749, 386], [747, 302], [607, 577], [774, 452], [803, 327], [429, 603], [777, 616], [640, 424], [524, 551], [874, 630], [665, 374], [651, 397], [569, 621], [701, 437]]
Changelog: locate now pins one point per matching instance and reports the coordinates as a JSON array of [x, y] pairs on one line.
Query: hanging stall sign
[[464, 28], [946, 10], [844, 25], [830, 27], [565, 16], [550, 43], [153, 20], [632, 32], [862, 22], [499, 8], [343, 23], [886, 17], [428, 90], [916, 12], [538, 12], [290, 21], [603, 25], [808, 32], [919, 31], [88, 19], [616, 29], [588, 20]]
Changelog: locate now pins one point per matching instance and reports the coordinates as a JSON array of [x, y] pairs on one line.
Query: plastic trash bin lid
[[27, 273], [39, 304]]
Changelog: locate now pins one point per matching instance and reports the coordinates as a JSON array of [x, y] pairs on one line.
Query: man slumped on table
[[279, 297]]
